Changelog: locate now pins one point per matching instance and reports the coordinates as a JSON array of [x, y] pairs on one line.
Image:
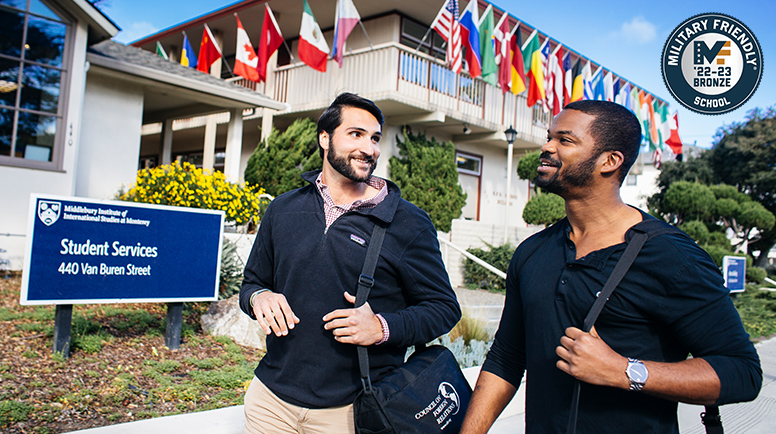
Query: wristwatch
[[637, 374]]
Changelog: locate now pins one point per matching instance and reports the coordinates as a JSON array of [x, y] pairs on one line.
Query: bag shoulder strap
[[635, 238], [365, 282]]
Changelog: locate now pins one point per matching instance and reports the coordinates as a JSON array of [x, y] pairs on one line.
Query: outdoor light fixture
[[511, 135], [466, 129]]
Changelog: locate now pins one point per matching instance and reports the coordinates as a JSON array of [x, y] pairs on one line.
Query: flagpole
[[289, 50], [423, 40], [366, 34]]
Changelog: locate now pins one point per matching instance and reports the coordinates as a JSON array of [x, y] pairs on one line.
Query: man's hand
[[273, 313], [588, 358], [359, 326]]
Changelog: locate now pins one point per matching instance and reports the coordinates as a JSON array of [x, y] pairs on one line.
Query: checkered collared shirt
[[333, 211]]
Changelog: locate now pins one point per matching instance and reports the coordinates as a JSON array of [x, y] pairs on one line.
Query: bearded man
[[301, 278]]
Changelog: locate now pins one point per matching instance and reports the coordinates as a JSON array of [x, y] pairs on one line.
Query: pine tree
[[427, 175], [543, 208], [277, 165]]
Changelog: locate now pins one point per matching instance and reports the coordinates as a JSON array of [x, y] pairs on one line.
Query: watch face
[[637, 372]]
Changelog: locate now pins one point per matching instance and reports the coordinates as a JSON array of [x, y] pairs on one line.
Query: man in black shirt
[[633, 364]]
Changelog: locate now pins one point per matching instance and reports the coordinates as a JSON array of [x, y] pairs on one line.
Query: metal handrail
[[479, 261]]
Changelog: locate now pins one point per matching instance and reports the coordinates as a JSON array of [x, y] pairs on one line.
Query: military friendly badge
[[712, 63]]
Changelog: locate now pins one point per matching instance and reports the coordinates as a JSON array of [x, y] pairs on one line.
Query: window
[[32, 73], [412, 33], [468, 164]]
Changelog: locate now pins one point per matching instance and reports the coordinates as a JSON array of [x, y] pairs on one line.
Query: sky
[[626, 37]]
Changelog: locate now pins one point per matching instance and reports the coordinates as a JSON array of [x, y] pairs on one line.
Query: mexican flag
[[313, 49]]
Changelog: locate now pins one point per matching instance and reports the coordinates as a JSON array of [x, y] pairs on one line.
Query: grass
[[119, 369]]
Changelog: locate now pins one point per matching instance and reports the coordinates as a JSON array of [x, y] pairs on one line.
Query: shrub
[[755, 274], [186, 185], [232, 267], [90, 344], [697, 230], [476, 275], [544, 209], [427, 174], [278, 163], [14, 411], [470, 329]]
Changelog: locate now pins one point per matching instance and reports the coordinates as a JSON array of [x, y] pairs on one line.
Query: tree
[[276, 165], [744, 155], [427, 175], [721, 208], [543, 208]]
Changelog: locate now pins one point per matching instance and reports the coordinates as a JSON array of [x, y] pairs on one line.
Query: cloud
[[638, 31], [135, 31]]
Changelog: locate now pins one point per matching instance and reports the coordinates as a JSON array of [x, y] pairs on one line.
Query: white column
[[166, 157], [269, 90], [209, 148], [509, 192], [234, 136]]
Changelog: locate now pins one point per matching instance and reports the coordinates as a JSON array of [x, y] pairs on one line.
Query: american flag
[[447, 25]]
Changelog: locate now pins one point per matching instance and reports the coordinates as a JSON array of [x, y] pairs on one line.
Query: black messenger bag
[[427, 394]]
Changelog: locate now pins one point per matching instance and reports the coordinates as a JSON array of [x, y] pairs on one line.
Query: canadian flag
[[245, 59]]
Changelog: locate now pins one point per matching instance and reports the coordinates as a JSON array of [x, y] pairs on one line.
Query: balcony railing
[[392, 71]]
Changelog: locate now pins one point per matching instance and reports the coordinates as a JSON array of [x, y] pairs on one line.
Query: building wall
[[21, 182], [646, 186], [110, 140]]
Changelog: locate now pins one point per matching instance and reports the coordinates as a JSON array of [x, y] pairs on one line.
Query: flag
[[615, 88], [577, 82], [503, 52], [245, 59], [470, 36], [534, 73], [487, 56], [635, 106], [624, 96], [187, 54], [587, 81], [346, 19], [657, 158], [555, 88], [313, 49], [654, 123], [597, 84], [517, 80], [568, 77], [641, 112], [271, 40], [160, 51], [545, 51], [447, 25], [663, 126], [208, 51], [608, 85], [673, 139]]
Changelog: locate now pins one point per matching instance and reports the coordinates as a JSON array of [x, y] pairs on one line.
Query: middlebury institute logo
[[48, 211], [712, 63]]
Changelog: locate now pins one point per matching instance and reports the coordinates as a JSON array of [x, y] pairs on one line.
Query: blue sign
[[88, 251], [734, 270]]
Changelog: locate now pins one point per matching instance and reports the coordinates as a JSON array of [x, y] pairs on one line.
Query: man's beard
[[342, 165], [580, 175]]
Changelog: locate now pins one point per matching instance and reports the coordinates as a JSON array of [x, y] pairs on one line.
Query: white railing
[[477, 260], [392, 71]]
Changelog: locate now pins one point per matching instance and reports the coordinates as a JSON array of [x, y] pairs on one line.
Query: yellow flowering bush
[[186, 185]]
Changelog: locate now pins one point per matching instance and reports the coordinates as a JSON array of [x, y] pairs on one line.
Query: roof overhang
[[197, 97]]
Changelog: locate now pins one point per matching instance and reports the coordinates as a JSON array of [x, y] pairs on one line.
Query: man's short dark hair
[[614, 128], [331, 118]]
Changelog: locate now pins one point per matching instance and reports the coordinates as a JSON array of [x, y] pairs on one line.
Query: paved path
[[756, 417]]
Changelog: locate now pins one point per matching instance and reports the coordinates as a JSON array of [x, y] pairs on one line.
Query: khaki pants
[[265, 413]]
